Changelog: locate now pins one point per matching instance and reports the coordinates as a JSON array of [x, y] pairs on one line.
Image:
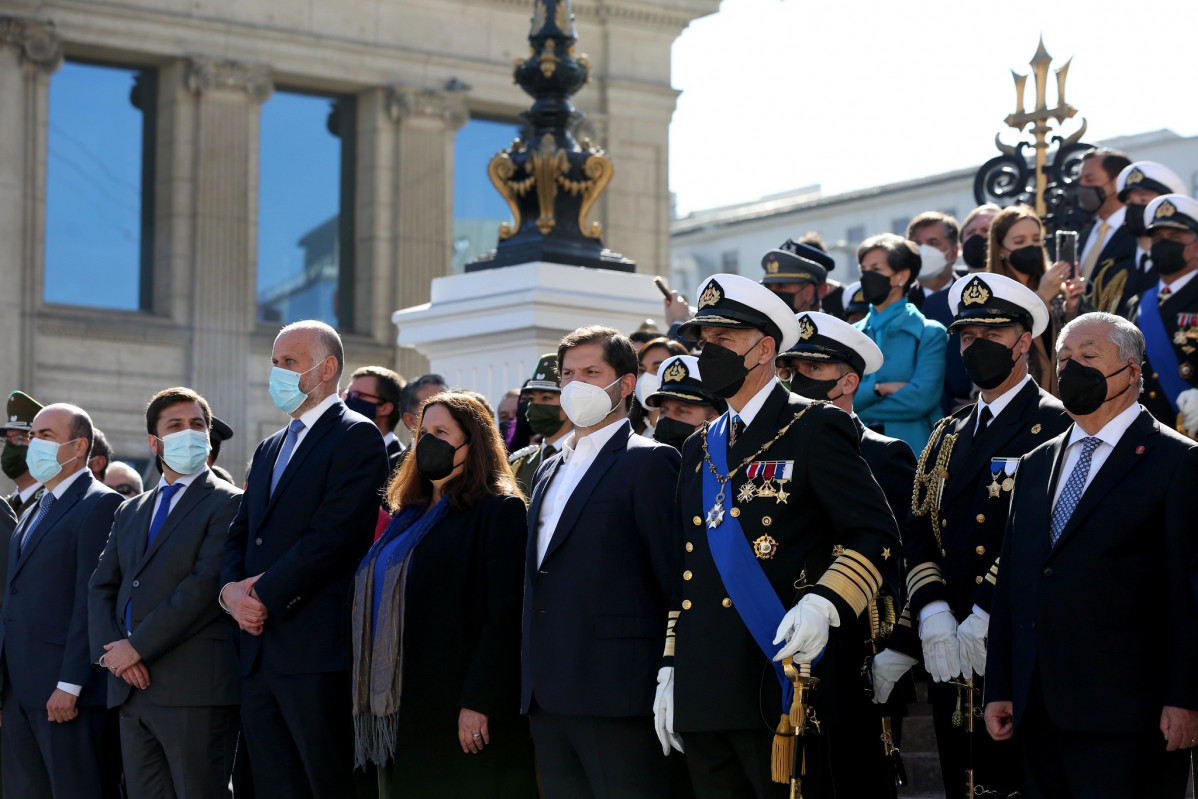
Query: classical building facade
[[404, 77]]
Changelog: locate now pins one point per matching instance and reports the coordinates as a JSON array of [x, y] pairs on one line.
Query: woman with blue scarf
[[436, 618]]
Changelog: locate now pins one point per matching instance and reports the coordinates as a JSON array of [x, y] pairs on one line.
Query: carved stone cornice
[[205, 74], [640, 13], [37, 41], [405, 102]]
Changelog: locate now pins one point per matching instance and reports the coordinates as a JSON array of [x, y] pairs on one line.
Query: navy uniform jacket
[[43, 638], [835, 515], [893, 465], [959, 562], [308, 537], [1104, 619], [185, 640], [595, 609], [1179, 312]]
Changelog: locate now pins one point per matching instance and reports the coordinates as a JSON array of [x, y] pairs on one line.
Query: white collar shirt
[[184, 480], [26, 493], [748, 413], [1108, 435], [310, 417], [577, 457], [62, 487], [1000, 402], [1177, 285], [1113, 222]]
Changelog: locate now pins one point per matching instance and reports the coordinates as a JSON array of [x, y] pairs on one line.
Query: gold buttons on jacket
[[1152, 394], [686, 604], [698, 520], [690, 547], [727, 602], [981, 550], [978, 580], [735, 512], [766, 521], [981, 518], [686, 575]]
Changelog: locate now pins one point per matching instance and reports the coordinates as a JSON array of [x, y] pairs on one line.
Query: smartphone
[[1067, 248], [662, 287]]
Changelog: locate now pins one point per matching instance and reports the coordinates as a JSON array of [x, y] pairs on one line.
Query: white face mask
[[933, 261], [587, 405], [646, 385]]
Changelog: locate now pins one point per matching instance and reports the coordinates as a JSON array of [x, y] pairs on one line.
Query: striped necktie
[[42, 509]]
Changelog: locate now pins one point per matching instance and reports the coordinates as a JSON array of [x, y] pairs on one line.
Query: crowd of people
[[705, 562]]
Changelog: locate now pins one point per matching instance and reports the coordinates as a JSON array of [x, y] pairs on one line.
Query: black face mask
[[723, 370], [875, 287], [1083, 388], [12, 460], [672, 432], [987, 363], [505, 428], [1134, 219], [1168, 256], [544, 419], [1090, 198], [811, 388], [974, 252], [358, 405], [1029, 260], [434, 457]]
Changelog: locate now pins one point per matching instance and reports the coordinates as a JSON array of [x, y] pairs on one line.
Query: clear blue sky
[[778, 94]]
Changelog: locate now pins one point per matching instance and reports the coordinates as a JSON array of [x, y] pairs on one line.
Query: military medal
[[747, 492], [765, 548], [999, 467], [715, 516]]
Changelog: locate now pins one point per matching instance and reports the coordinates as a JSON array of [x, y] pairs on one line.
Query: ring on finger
[[478, 735]]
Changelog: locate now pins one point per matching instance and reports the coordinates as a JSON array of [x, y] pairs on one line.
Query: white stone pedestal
[[484, 331]]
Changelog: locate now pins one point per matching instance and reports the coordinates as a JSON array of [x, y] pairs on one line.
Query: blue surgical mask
[[42, 459], [186, 451], [284, 388]]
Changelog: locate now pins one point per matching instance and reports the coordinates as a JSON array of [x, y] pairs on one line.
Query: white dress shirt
[[1000, 402], [26, 493], [310, 417], [387, 439], [183, 480], [1114, 222], [748, 413], [1177, 285], [577, 457], [58, 491], [1109, 435]]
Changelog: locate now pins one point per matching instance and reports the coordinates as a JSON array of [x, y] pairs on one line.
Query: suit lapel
[[1130, 451], [324, 424], [581, 494], [57, 511], [1174, 302], [534, 515], [193, 495]]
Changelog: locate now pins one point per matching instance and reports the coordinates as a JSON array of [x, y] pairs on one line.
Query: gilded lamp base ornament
[[549, 181]]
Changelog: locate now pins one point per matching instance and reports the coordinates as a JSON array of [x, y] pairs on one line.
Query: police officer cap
[[21, 410], [996, 301], [545, 378], [1148, 175], [221, 430], [680, 380], [1172, 210], [737, 302], [784, 266], [824, 338], [810, 253], [855, 299]]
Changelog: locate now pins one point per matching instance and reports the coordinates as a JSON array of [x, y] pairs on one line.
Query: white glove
[[663, 711], [971, 637], [805, 629], [1187, 404], [889, 667], [941, 654]]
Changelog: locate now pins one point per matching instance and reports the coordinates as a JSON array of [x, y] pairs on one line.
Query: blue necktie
[[166, 494], [293, 431], [1072, 492], [42, 509]]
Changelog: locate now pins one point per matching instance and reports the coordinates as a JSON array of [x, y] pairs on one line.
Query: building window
[[730, 262], [99, 186], [855, 235], [305, 209], [478, 209]]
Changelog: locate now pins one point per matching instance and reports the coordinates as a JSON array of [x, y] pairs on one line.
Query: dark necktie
[[293, 431], [984, 418], [165, 494], [42, 509], [1144, 262]]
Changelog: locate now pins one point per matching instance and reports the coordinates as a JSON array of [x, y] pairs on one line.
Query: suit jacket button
[[727, 602], [981, 518], [690, 547], [978, 579], [981, 550], [137, 584], [686, 604], [698, 520], [258, 541], [1047, 572], [686, 575], [1152, 394]]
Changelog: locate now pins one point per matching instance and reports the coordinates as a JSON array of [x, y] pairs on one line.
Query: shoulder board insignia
[[522, 453]]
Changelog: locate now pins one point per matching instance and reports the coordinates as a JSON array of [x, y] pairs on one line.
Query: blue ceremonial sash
[[1160, 348], [747, 586]]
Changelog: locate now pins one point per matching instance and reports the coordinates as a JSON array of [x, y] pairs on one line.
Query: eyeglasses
[[363, 395], [17, 437], [125, 489]]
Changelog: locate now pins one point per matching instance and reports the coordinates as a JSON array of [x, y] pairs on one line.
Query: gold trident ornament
[[1039, 117]]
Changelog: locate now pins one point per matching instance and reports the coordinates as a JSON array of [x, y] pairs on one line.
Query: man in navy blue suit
[[602, 562], [54, 697], [306, 518]]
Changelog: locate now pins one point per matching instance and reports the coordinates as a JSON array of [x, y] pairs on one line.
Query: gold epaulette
[[853, 578]]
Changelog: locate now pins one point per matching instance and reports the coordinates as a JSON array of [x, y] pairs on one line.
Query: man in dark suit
[[21, 410], [774, 566], [1105, 246], [1167, 314], [53, 700], [305, 521], [952, 541], [152, 623], [1093, 659], [601, 566], [374, 392]]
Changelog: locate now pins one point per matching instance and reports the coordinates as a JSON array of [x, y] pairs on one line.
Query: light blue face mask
[[42, 459], [284, 388], [186, 451]]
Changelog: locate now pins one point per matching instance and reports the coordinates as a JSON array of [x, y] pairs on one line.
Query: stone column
[[30, 51], [428, 121], [220, 280]]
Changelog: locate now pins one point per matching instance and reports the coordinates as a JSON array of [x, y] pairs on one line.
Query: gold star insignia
[[886, 553], [995, 489], [781, 496]]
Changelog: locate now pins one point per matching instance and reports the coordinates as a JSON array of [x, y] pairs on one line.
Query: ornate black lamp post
[[549, 181]]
